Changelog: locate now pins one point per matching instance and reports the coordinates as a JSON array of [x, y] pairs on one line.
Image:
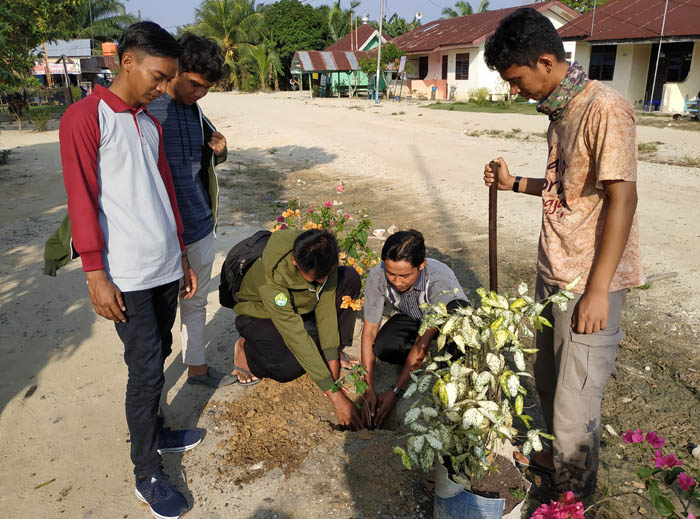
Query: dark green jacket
[[273, 289], [59, 250]]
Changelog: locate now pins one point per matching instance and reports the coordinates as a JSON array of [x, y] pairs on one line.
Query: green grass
[[495, 107], [690, 161], [648, 147]]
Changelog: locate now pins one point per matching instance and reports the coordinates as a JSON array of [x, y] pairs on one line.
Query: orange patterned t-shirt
[[594, 141]]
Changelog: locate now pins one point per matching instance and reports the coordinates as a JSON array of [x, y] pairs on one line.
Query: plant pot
[[453, 502]]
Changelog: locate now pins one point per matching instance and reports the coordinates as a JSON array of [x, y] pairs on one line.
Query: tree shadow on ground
[[41, 318]]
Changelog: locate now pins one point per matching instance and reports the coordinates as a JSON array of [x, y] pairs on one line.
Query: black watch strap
[[516, 184], [397, 391]]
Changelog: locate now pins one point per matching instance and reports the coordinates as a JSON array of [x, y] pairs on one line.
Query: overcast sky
[[172, 13]]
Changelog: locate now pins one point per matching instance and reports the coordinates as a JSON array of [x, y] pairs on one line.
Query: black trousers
[[147, 339], [398, 335], [265, 350]]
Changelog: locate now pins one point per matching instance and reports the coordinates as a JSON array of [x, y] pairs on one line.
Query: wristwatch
[[516, 184], [397, 391]]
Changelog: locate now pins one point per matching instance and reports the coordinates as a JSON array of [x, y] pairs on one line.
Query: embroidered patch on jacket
[[281, 299]]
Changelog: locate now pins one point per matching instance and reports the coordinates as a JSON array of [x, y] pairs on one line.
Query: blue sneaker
[[178, 441], [161, 496]]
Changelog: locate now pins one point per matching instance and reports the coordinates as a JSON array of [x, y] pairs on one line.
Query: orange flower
[[346, 302], [297, 212], [351, 262], [359, 270]]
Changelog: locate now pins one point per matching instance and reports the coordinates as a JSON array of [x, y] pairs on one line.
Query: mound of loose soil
[[274, 425], [502, 482], [291, 427]]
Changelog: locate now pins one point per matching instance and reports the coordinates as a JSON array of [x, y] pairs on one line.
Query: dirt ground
[[270, 450]]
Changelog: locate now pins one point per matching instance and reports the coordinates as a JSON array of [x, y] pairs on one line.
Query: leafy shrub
[[469, 403], [479, 95], [40, 117], [5, 156]]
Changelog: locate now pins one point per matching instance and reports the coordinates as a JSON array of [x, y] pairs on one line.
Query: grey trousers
[[571, 371]]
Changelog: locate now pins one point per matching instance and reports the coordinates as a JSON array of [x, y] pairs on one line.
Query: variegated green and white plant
[[470, 402]]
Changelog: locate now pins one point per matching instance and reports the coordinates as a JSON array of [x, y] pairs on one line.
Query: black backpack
[[238, 260]]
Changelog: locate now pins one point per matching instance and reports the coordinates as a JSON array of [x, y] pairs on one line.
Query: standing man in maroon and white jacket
[[127, 229]]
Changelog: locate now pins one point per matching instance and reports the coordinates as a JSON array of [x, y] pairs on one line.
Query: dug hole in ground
[[63, 438]]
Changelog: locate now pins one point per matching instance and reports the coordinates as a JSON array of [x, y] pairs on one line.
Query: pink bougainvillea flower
[[328, 204], [672, 461], [280, 218], [283, 226], [331, 223], [685, 481], [347, 216], [565, 508], [633, 436], [310, 211], [658, 459], [654, 440], [691, 516], [340, 188]]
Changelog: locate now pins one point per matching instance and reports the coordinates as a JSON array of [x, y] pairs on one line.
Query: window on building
[[462, 66], [678, 57], [568, 56], [444, 67], [422, 67], [602, 66]]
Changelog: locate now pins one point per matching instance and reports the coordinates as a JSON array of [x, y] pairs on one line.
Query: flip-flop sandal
[[247, 372]]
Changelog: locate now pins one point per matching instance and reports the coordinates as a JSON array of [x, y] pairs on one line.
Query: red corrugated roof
[[326, 61], [463, 30], [364, 31], [636, 20]]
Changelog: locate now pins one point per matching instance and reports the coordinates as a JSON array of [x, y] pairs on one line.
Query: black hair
[[520, 39], [316, 252], [150, 38], [201, 56], [405, 246]]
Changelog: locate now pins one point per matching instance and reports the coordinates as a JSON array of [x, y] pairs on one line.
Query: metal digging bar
[[493, 215]]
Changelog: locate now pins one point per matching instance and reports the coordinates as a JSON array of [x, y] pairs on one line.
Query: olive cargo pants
[[571, 371]]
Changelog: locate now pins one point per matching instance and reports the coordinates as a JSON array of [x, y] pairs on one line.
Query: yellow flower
[[297, 212], [342, 256], [346, 302], [287, 213], [359, 270], [351, 262]]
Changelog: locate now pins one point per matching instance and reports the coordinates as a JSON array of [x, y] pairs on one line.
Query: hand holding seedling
[[349, 417]]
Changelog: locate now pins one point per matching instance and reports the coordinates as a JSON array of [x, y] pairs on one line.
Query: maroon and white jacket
[[121, 200]]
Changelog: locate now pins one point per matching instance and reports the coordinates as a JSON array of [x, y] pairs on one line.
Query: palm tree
[[267, 63], [461, 8], [235, 25], [101, 20], [339, 19]]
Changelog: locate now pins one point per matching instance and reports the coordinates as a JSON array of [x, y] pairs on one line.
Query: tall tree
[[102, 20], [295, 26], [396, 26], [235, 25], [339, 19], [461, 8], [582, 6], [267, 64], [24, 25]]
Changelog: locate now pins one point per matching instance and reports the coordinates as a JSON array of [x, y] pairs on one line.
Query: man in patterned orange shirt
[[589, 227]]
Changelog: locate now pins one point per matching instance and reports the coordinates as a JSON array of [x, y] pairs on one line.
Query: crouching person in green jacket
[[293, 291]]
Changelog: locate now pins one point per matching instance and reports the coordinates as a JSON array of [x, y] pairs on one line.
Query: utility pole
[[379, 52], [658, 56]]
